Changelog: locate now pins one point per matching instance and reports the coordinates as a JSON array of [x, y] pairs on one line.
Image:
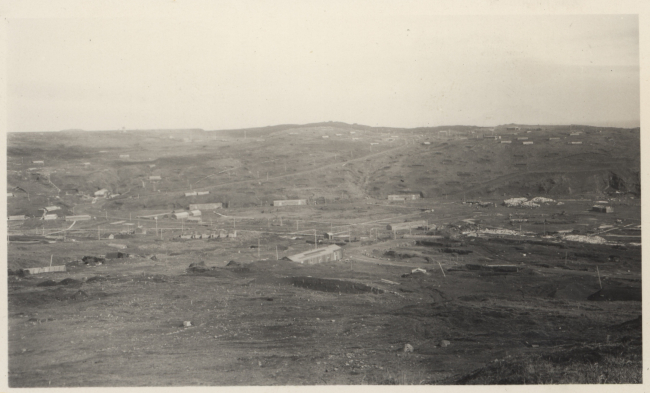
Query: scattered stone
[[187, 323], [444, 343], [408, 348]]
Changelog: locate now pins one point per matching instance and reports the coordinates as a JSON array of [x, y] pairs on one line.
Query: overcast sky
[[266, 68]]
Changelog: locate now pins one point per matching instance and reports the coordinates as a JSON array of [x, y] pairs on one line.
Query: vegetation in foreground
[[587, 364]]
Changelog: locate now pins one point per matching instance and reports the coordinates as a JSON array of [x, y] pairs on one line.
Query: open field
[[550, 294]]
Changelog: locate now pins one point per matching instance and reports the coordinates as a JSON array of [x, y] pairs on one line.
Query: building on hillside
[[48, 217], [523, 138], [82, 217], [512, 128], [396, 198], [528, 143], [290, 202], [205, 206], [192, 193], [554, 138], [426, 143], [156, 177], [10, 194], [506, 141], [406, 225], [52, 208], [402, 197], [70, 191], [102, 193], [125, 155], [195, 213], [202, 192], [180, 215], [152, 165], [575, 143], [192, 218], [17, 218], [602, 209], [320, 255], [38, 162]]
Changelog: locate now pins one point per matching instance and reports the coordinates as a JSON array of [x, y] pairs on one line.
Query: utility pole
[[258, 248], [277, 257], [99, 234], [315, 241]]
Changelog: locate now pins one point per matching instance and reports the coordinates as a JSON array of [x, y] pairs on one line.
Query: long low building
[[47, 269], [396, 198], [402, 197], [83, 217], [17, 218], [180, 215], [290, 202], [406, 225], [205, 206], [325, 254]]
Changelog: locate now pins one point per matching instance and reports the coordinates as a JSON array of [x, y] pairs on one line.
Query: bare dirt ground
[[274, 322], [504, 295]]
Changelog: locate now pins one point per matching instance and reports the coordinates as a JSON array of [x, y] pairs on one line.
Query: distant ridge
[[257, 131]]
